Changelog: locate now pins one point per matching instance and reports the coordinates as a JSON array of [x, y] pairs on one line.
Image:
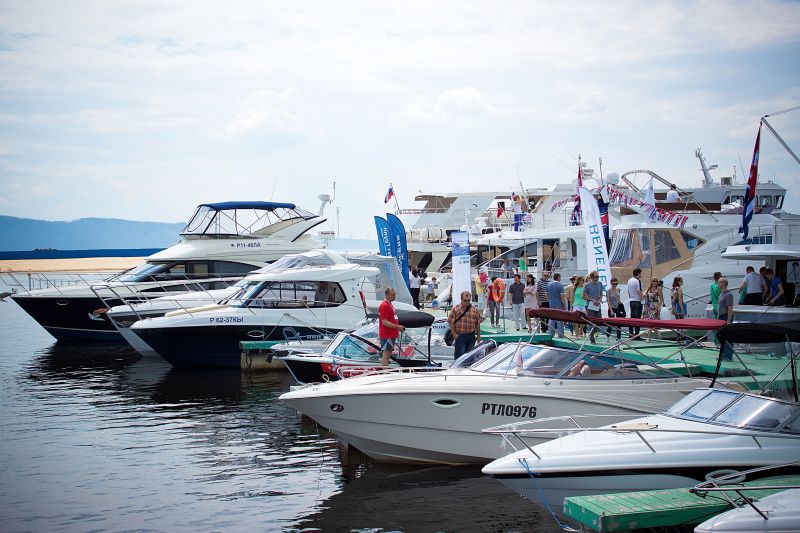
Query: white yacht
[[437, 417], [709, 430], [310, 302], [132, 310], [221, 243]]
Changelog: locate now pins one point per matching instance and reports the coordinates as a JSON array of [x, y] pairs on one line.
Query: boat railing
[[509, 432], [723, 482], [27, 281]]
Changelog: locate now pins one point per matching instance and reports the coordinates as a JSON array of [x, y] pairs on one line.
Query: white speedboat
[[776, 513], [221, 243], [350, 354], [709, 430], [309, 302], [438, 417]]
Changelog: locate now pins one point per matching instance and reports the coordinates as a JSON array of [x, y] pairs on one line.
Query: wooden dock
[[629, 511]]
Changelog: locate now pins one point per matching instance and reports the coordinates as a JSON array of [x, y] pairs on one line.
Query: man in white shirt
[[755, 287], [635, 296], [672, 194]]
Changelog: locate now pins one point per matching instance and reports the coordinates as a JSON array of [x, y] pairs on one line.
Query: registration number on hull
[[501, 409], [225, 319]]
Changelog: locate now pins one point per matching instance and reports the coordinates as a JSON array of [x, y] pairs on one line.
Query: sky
[[144, 109]]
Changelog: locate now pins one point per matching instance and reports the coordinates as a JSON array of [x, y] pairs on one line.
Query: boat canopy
[[699, 324], [755, 333], [244, 219]]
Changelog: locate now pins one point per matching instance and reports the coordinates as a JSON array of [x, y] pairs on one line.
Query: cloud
[[449, 105], [275, 113]]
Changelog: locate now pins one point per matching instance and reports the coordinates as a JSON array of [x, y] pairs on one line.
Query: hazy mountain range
[[85, 233], [20, 234]]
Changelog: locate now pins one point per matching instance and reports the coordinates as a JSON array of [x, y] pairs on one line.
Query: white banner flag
[[460, 261], [596, 251]]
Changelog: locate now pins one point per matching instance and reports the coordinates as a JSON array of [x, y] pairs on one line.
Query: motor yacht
[[709, 430], [221, 243], [438, 417], [310, 302], [132, 310]]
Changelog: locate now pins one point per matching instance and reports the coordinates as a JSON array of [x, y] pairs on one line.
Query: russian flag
[[389, 195], [750, 191]]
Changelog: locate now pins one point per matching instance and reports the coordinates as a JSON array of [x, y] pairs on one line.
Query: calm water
[[95, 438]]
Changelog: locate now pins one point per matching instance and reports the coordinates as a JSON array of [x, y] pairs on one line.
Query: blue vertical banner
[[382, 227], [461, 272], [397, 237]]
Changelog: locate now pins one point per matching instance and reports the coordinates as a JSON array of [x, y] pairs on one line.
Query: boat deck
[[630, 511]]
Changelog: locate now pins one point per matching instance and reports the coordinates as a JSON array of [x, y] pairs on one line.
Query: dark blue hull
[[70, 318], [212, 345]]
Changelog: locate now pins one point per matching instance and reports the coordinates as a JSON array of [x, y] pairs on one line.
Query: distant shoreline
[[82, 264]]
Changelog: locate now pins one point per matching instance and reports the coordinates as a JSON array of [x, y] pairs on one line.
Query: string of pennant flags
[[620, 197]]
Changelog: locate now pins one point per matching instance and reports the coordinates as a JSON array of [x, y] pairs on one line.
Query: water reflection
[[402, 498]]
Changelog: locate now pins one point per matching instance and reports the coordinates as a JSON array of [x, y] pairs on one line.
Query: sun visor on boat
[[411, 319], [755, 333], [700, 324]]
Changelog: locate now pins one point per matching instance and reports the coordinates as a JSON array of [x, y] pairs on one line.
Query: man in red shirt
[[389, 327]]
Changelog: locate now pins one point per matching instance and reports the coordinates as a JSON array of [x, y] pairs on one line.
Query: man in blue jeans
[[465, 324]]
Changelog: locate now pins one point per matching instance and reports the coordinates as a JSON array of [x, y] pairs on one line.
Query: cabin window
[[691, 241], [298, 294], [766, 201], [761, 239], [779, 201], [231, 268], [665, 248], [630, 248], [737, 199]]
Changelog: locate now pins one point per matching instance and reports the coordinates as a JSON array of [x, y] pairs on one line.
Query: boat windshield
[[292, 294], [243, 219], [739, 410], [545, 361], [349, 346], [295, 261]]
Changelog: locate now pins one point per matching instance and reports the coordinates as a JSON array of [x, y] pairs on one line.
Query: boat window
[[247, 287], [142, 272], [691, 241], [630, 248], [779, 201], [299, 294], [200, 220], [766, 201], [351, 347], [535, 360], [231, 268], [296, 261], [755, 412], [692, 398], [710, 405], [665, 248]]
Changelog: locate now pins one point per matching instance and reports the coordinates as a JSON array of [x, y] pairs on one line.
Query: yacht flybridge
[[221, 243]]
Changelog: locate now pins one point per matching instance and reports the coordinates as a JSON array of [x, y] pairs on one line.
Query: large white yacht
[[221, 243], [709, 430]]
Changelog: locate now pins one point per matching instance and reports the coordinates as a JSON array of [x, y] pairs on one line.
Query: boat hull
[[212, 345], [70, 318], [444, 425]]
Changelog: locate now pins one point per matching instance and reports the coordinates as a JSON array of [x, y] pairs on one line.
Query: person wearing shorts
[[389, 327]]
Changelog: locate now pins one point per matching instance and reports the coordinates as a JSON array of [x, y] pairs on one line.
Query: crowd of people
[[583, 293]]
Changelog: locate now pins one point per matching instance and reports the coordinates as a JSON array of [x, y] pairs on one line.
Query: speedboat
[[310, 302], [438, 417], [349, 354], [709, 430], [221, 243]]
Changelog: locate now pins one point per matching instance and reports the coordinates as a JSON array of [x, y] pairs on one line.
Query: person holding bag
[[465, 325]]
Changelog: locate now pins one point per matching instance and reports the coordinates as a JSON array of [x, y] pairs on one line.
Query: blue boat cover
[[268, 206]]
